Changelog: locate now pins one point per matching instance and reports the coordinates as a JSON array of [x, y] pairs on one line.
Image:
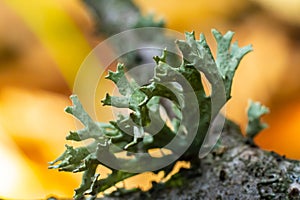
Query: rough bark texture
[[235, 169]]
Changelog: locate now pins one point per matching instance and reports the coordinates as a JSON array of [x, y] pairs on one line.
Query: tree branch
[[233, 170]]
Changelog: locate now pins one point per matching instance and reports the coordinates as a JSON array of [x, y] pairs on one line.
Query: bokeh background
[[43, 43]]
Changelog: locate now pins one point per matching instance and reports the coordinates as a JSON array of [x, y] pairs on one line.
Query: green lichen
[[143, 103], [255, 111]]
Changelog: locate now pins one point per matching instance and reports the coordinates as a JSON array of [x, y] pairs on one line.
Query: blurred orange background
[[43, 43]]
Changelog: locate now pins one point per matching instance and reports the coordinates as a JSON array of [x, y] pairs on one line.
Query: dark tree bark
[[235, 169]]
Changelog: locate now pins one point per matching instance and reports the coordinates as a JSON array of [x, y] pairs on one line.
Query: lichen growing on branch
[[144, 102]]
